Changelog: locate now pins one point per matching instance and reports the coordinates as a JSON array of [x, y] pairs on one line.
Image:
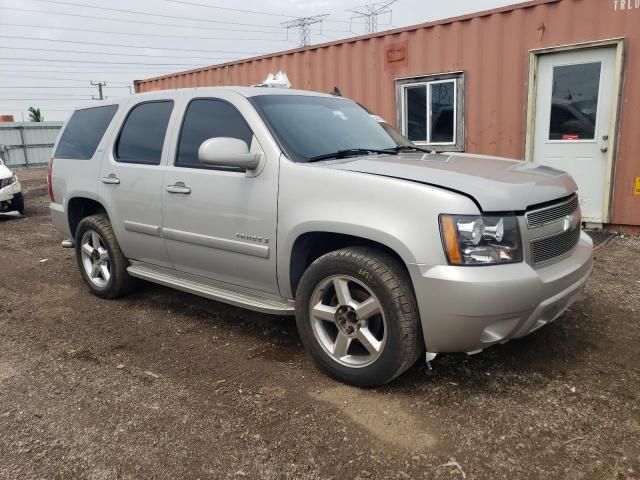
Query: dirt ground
[[166, 385]]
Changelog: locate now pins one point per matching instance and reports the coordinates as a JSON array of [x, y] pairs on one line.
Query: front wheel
[[357, 315]]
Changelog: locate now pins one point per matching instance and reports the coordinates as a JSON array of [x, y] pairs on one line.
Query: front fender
[[400, 214]]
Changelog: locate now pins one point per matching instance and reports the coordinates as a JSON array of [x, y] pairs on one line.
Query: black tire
[[388, 280], [17, 203], [120, 282]]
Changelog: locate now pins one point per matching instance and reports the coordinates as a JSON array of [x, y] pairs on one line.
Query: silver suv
[[293, 202]]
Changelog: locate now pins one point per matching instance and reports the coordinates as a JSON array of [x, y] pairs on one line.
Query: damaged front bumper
[[7, 194], [466, 309]]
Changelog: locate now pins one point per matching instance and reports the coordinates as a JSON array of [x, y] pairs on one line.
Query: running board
[[212, 290]]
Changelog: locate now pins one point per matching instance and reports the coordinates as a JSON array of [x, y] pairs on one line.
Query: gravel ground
[[166, 385]]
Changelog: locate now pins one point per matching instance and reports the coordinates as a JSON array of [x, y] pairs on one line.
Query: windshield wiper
[[351, 152], [404, 148]]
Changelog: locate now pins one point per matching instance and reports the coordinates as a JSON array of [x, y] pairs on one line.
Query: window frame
[[458, 80], [124, 122], [201, 166]]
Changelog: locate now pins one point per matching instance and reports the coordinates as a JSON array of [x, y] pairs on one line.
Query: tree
[[35, 115]]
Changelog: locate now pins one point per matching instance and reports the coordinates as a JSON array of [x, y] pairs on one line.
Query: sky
[[51, 50]]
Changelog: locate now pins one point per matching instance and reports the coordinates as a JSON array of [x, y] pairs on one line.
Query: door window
[[574, 101], [209, 118], [142, 135]]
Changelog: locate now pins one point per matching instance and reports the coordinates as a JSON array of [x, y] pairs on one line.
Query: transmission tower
[[370, 13], [303, 24]]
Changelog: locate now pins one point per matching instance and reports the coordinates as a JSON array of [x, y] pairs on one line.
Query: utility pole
[[370, 13], [303, 24], [99, 85]]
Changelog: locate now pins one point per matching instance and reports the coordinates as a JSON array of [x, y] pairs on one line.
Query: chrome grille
[[548, 248], [542, 216]]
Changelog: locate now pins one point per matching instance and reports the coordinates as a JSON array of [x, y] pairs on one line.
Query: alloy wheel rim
[[348, 321], [95, 258]]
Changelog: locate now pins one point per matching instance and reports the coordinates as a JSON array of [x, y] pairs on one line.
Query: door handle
[[178, 187], [111, 180]]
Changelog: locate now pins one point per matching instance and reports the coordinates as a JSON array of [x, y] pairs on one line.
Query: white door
[[574, 105]]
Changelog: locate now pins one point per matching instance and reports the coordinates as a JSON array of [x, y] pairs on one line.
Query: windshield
[[308, 127]]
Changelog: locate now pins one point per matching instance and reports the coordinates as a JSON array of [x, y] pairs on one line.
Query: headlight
[[480, 239], [5, 182]]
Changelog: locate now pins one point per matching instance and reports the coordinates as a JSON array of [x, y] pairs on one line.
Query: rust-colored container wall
[[491, 48]]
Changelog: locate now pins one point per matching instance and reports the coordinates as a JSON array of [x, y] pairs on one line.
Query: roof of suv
[[244, 91]]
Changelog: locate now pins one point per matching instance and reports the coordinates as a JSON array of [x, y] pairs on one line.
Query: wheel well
[[311, 246], [79, 208]]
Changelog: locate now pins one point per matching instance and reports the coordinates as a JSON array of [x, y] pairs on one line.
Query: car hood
[[496, 184], [5, 172]]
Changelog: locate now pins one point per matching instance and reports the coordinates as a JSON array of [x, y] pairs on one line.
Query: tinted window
[[206, 119], [84, 131], [310, 126], [142, 135], [574, 102]]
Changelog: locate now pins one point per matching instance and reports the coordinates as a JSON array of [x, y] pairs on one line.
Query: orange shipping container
[[548, 81]]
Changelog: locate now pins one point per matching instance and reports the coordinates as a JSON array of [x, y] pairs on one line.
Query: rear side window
[[142, 135], [205, 119], [84, 131]]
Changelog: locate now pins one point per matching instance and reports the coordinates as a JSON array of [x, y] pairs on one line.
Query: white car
[[11, 199]]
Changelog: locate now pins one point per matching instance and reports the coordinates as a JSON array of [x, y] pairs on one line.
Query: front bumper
[[466, 309], [7, 193]]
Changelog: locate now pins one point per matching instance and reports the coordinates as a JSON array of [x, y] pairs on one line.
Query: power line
[[159, 15], [47, 109], [117, 54], [240, 10], [246, 11], [139, 22], [103, 62], [47, 87], [66, 97], [370, 13], [53, 78], [303, 24], [96, 68], [135, 34], [127, 45]]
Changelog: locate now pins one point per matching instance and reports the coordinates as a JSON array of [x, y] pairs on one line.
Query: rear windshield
[[84, 131]]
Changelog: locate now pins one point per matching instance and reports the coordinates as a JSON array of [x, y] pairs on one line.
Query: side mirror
[[228, 152]]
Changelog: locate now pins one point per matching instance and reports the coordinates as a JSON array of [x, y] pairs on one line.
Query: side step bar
[[212, 290]]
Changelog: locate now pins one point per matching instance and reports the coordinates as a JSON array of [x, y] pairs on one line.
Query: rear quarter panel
[[71, 178]]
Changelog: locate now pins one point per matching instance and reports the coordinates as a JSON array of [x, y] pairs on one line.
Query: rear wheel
[[100, 260], [357, 315]]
